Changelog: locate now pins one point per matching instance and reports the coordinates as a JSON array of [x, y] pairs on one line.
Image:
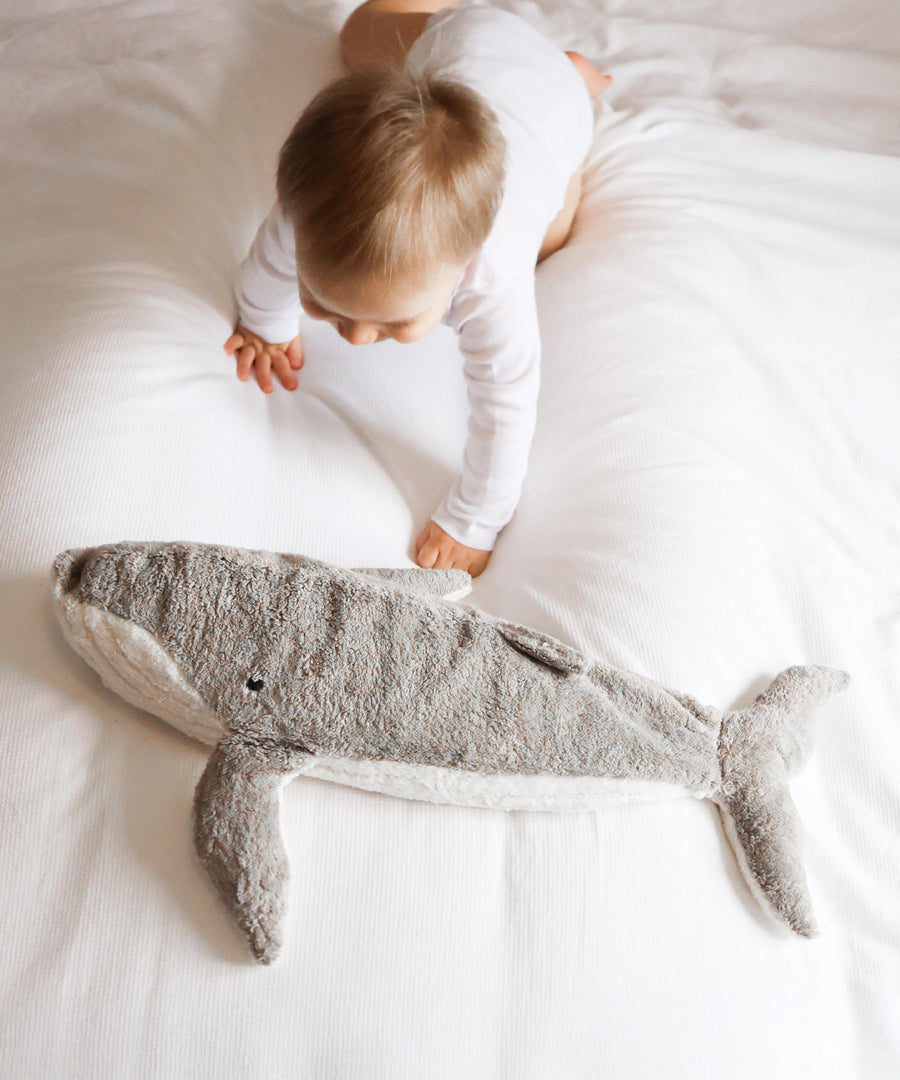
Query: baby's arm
[[500, 342], [265, 339]]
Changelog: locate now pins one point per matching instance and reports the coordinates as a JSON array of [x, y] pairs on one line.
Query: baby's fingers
[[262, 367], [233, 343], [283, 369], [427, 555], [428, 550], [294, 352], [245, 360]]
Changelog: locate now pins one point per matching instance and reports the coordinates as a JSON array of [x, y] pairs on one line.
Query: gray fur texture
[[296, 658]]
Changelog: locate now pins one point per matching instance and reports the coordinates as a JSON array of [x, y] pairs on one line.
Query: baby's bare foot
[[593, 80]]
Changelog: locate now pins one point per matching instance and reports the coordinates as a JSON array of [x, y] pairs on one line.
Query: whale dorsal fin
[[438, 584], [547, 650]]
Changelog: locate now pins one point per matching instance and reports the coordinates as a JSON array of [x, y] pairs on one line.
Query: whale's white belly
[[497, 791]]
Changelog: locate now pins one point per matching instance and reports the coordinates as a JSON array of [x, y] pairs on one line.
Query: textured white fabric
[[712, 495], [546, 118]]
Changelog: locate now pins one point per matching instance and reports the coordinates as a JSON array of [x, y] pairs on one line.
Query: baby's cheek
[[313, 311], [415, 333]]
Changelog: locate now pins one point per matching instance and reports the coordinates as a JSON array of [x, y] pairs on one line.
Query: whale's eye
[[254, 684]]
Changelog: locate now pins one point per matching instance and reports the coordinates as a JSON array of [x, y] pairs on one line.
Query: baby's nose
[[358, 333]]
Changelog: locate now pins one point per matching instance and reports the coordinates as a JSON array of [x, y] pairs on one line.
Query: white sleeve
[[267, 294], [500, 342]]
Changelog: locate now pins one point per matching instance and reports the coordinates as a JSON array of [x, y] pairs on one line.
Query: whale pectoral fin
[[543, 648], [440, 584], [238, 837]]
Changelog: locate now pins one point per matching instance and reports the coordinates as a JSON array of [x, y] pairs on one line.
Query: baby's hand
[[436, 550], [263, 357]]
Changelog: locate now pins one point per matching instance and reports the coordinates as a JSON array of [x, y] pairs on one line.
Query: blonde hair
[[392, 173]]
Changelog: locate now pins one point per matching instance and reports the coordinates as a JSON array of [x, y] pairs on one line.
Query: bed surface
[[713, 495]]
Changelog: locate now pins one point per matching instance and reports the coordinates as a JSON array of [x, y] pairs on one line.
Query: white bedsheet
[[713, 495]]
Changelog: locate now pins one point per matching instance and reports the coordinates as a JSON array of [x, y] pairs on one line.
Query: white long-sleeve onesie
[[546, 119]]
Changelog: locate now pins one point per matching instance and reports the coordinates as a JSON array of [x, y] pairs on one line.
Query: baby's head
[[392, 181]]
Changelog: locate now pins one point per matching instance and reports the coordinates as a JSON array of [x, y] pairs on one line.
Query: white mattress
[[712, 496]]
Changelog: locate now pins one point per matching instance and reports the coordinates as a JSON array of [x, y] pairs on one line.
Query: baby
[[425, 187]]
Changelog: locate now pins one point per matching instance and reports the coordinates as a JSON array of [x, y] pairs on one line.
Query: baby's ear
[[440, 584]]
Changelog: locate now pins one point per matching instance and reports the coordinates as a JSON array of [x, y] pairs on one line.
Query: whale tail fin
[[759, 748], [237, 834]]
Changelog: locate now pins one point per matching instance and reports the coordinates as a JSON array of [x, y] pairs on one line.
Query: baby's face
[[364, 312]]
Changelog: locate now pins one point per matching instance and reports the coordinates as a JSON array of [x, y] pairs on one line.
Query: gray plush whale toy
[[377, 679]]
